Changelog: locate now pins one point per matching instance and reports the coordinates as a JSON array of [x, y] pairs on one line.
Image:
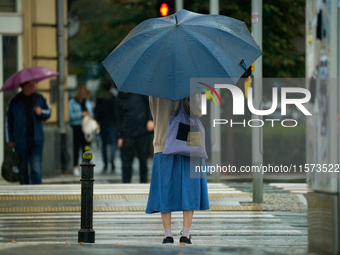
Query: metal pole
[[257, 137], [61, 65], [2, 111], [86, 234], [214, 7], [333, 76], [338, 107], [216, 114], [333, 113], [61, 79], [179, 5]]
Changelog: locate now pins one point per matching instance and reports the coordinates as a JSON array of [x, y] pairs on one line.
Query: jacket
[[16, 120], [105, 110], [133, 113], [161, 110], [74, 109]]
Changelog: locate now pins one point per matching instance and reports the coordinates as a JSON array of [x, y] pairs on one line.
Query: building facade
[[323, 129]]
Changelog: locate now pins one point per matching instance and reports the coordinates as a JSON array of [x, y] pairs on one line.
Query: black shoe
[[185, 240], [168, 240], [104, 169]]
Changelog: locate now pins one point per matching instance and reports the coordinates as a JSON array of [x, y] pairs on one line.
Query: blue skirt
[[171, 187]]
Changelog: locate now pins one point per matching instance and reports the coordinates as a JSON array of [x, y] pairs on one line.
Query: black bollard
[[86, 233]]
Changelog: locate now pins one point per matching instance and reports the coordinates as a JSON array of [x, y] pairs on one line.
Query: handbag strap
[[181, 107]]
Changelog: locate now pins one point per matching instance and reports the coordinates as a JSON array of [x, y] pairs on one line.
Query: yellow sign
[[247, 84]]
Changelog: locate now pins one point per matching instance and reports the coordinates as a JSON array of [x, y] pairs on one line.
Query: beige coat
[[161, 110]]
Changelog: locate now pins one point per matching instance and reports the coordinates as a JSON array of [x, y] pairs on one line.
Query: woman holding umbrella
[[171, 187], [158, 58]]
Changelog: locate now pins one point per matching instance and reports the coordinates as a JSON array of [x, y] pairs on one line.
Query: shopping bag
[[89, 126], [185, 135], [11, 169]]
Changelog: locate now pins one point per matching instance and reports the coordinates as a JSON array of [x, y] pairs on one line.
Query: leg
[[104, 134], [24, 164], [84, 143], [166, 219], [187, 218], [35, 159], [127, 154], [113, 143], [76, 144], [142, 146]]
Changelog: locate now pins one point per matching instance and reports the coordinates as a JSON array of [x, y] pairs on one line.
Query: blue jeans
[[108, 136], [32, 155]]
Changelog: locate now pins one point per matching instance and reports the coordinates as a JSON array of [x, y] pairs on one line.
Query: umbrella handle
[[243, 64]]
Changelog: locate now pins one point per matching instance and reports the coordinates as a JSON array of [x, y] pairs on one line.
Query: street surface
[[44, 217]]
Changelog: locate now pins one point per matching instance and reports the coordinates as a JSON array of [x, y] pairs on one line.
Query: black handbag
[[11, 169]]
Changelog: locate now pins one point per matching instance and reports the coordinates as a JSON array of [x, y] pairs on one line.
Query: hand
[[120, 143], [11, 144], [37, 110], [84, 113], [150, 125]]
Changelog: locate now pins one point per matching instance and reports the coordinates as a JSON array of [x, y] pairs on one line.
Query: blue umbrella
[[160, 55]]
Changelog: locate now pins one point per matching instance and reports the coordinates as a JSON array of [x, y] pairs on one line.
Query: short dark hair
[[107, 85], [23, 84]]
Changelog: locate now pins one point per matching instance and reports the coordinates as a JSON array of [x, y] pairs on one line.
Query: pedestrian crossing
[[268, 188], [298, 188], [137, 228], [107, 198], [119, 218]]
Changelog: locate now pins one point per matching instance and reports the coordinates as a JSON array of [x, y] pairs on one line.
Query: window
[[10, 64], [8, 5], [10, 55]]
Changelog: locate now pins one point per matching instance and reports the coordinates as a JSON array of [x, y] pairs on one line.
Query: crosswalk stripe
[[40, 209], [147, 232], [105, 196], [242, 228], [296, 188]]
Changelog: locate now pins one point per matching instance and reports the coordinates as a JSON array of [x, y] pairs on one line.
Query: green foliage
[[105, 23], [283, 23]]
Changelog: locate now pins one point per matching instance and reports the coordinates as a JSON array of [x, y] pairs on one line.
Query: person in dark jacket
[[25, 113], [134, 124], [105, 114]]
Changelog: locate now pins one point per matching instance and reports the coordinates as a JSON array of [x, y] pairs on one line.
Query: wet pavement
[[140, 233], [51, 249], [45, 219]]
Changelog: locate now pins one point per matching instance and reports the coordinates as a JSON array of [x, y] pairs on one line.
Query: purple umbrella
[[28, 74]]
